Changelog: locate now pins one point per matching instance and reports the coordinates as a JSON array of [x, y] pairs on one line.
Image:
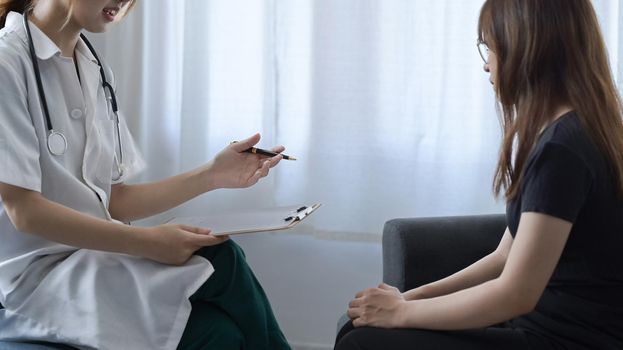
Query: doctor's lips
[[110, 13]]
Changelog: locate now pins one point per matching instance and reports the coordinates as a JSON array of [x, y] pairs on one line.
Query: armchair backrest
[[417, 251]]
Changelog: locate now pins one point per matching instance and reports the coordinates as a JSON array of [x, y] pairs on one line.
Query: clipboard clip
[[299, 213]]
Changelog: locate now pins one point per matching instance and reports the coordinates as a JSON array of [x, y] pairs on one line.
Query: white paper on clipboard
[[258, 220]]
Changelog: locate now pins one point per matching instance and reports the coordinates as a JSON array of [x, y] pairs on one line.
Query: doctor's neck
[[53, 21]]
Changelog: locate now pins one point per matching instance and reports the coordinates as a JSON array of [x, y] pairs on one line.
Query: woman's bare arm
[[534, 254], [485, 269]]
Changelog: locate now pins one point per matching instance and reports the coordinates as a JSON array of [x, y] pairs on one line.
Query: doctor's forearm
[[133, 202], [33, 214]]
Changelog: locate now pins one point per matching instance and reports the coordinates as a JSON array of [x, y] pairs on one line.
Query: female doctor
[[70, 271]]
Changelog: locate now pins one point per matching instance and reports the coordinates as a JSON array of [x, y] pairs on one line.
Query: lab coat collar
[[82, 48], [45, 48]]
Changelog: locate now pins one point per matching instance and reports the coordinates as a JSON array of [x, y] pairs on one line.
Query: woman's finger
[[355, 303], [209, 240], [358, 322], [245, 144], [360, 294], [275, 160], [278, 149], [353, 312], [263, 170], [386, 286], [258, 174], [194, 229]]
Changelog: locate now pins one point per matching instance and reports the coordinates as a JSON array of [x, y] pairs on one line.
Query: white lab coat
[[55, 292]]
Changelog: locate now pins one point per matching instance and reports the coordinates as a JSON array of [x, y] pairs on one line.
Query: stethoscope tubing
[[35, 66], [56, 141]]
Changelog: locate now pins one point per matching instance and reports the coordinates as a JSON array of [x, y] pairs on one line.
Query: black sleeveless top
[[568, 177]]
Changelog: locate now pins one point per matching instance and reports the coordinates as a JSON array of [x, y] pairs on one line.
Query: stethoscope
[[57, 142]]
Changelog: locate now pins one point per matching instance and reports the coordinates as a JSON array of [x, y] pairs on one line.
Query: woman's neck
[[561, 110], [51, 20]]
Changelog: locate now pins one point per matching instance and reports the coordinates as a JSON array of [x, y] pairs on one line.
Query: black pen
[[268, 153]]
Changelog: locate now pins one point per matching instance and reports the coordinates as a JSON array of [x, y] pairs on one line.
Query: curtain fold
[[384, 102]]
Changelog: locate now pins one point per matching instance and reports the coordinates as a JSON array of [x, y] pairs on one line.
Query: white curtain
[[384, 102]]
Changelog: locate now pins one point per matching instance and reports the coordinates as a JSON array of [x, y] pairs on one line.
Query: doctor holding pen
[[70, 271], [555, 280]]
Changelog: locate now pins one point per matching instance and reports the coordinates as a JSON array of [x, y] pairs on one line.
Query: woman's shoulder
[[568, 138], [13, 38], [569, 132], [14, 55]]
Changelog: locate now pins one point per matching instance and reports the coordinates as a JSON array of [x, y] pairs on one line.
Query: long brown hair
[[549, 53], [7, 6]]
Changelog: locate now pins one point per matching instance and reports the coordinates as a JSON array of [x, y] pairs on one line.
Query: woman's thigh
[[369, 338], [209, 327]]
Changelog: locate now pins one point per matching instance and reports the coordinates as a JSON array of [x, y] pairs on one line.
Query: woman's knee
[[237, 249], [345, 329], [350, 341], [227, 250]]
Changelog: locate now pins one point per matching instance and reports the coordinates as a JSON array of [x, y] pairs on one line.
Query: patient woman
[[556, 279]]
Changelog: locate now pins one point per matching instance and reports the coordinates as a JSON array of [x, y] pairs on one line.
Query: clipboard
[[258, 220]]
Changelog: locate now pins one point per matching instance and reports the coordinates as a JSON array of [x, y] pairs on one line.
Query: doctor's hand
[[378, 307], [235, 168], [175, 244]]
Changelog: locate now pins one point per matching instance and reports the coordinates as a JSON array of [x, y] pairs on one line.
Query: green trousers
[[230, 311]]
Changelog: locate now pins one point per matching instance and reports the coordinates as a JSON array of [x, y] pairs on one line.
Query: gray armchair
[[417, 251]]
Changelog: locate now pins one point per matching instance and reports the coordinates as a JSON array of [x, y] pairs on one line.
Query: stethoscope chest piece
[[57, 143]]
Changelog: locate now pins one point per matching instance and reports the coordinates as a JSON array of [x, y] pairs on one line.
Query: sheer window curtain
[[383, 101]]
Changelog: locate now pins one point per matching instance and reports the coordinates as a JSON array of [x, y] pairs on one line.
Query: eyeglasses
[[483, 50]]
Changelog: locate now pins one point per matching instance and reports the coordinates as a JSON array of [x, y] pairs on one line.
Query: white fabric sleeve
[[19, 146]]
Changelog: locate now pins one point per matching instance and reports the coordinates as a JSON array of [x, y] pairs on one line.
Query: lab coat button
[[76, 113]]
